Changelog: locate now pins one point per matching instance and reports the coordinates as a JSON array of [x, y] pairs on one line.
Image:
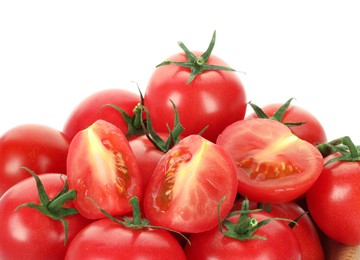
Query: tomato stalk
[[136, 221], [343, 145], [197, 65], [53, 208], [246, 226], [278, 115]]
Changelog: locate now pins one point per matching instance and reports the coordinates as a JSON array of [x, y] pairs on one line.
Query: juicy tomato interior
[[273, 164], [102, 166], [187, 185]]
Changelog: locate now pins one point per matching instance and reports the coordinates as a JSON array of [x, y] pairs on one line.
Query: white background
[[53, 54]]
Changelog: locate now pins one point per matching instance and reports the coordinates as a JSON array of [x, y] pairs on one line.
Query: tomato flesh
[[187, 184], [102, 166], [273, 165]]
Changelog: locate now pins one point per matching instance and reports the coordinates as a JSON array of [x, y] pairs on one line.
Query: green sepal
[[197, 65], [52, 208]]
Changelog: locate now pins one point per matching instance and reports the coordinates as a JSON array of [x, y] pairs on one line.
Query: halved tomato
[[273, 165], [102, 167], [187, 185]]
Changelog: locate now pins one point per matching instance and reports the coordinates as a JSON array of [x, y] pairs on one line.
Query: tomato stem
[[197, 65]]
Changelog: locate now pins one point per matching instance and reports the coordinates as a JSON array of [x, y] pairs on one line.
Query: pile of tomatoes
[[179, 172]]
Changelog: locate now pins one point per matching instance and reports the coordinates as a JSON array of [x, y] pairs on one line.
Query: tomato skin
[[105, 239], [28, 234], [91, 109], [187, 184], [39, 147], [263, 149], [214, 98], [312, 131], [102, 166], [333, 201], [280, 243]]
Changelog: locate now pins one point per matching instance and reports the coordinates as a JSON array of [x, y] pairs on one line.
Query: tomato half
[[28, 234], [333, 201], [105, 239], [273, 164], [187, 185], [41, 148], [214, 98], [311, 131], [101, 166], [92, 108]]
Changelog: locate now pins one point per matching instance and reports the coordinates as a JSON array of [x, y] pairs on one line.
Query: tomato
[[273, 165], [28, 234], [311, 131], [101, 166], [333, 201], [187, 184], [214, 98], [147, 156], [92, 108], [280, 243], [38, 147], [105, 239]]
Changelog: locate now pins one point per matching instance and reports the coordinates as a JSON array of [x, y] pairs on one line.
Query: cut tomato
[[273, 164]]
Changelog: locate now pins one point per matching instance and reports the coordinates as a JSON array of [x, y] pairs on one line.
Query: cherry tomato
[[92, 108], [105, 239], [311, 131], [187, 185], [333, 201], [38, 147], [280, 243], [214, 98], [273, 165], [28, 234], [101, 166]]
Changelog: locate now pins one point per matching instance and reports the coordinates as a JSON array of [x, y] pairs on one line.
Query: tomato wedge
[[102, 166], [187, 185], [273, 164]]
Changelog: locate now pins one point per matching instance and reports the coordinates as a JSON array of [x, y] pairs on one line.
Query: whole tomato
[[333, 201], [38, 147], [26, 233], [93, 108], [310, 130], [213, 98], [279, 243]]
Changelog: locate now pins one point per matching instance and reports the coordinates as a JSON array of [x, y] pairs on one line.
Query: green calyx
[[343, 145], [53, 208], [136, 221], [197, 65], [246, 226], [278, 115]]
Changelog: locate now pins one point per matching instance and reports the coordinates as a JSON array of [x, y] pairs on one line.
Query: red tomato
[[280, 243], [312, 131], [187, 184], [92, 108], [273, 165], [28, 234], [333, 201], [147, 156], [38, 147], [214, 98], [102, 166], [105, 239]]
